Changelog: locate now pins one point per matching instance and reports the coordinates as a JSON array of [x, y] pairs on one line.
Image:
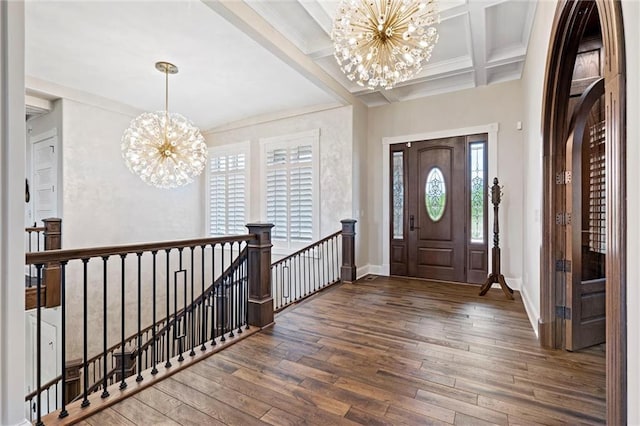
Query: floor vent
[[371, 277]]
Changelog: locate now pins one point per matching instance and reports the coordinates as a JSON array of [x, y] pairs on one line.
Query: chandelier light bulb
[[380, 43]]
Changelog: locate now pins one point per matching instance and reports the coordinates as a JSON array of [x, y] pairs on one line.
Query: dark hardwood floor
[[383, 351]]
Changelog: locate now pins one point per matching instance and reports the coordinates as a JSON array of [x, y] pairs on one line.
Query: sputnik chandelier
[[379, 43], [165, 149]]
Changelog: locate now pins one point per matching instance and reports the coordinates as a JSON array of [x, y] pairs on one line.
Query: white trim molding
[[492, 145]]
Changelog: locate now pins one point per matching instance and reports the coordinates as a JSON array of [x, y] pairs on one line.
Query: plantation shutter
[[301, 194], [227, 194], [289, 192]]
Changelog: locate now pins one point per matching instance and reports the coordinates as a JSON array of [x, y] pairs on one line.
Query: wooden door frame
[[492, 151], [569, 22]]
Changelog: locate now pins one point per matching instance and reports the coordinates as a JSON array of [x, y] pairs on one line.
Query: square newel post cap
[[261, 230], [348, 226]]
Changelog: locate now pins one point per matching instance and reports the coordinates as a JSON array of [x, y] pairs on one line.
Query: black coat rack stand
[[496, 276]]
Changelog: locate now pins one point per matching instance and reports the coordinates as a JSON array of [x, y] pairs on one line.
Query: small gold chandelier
[[379, 43], [165, 149]]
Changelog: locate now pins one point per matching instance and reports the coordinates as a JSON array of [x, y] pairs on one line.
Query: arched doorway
[[571, 20]]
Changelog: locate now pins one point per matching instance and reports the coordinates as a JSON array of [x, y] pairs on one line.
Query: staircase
[[218, 290]]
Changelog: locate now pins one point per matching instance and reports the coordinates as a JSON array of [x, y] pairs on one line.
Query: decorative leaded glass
[[477, 191], [435, 194], [398, 195]]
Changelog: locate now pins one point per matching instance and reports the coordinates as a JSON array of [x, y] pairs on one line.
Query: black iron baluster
[[335, 258], [222, 285], [85, 333], [154, 353], [123, 383], [203, 299], [168, 325], [240, 285], [38, 343], [193, 316], [212, 296], [63, 294], [105, 392], [176, 321], [139, 378], [315, 277], [245, 264], [309, 267], [231, 291]]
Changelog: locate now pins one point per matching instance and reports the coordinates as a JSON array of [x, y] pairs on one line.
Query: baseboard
[[531, 310], [369, 269]]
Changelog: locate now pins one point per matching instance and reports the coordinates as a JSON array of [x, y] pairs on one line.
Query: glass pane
[[435, 194], [398, 195], [477, 191]]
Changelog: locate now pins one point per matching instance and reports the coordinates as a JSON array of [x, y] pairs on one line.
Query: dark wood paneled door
[[437, 230], [585, 222], [436, 209]]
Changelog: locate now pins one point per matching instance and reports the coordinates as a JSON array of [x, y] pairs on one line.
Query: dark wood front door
[[442, 233]]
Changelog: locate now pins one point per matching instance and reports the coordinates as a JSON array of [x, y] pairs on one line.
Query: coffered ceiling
[[254, 58]]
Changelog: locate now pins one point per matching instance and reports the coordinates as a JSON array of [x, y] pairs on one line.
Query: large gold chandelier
[[379, 43], [165, 149]]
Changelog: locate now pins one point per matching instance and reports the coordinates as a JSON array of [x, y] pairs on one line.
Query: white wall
[[533, 86], [336, 186], [500, 103], [360, 185], [12, 160], [103, 202]]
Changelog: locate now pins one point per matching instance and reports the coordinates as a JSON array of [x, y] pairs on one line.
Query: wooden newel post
[[51, 274], [348, 269], [259, 264]]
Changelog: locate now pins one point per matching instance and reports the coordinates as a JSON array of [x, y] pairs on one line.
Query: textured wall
[[532, 86], [335, 160], [501, 103], [105, 204]]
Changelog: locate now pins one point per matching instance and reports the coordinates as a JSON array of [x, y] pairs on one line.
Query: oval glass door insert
[[435, 194]]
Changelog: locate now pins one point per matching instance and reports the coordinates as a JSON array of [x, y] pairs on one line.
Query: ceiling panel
[[507, 25], [109, 49]]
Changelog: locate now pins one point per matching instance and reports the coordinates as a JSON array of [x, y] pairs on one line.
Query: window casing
[[290, 182], [227, 189]]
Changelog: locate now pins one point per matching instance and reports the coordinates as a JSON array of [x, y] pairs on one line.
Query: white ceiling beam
[[37, 103], [322, 53], [317, 12], [390, 95], [255, 26], [479, 40]]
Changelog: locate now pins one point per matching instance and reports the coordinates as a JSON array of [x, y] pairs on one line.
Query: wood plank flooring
[[383, 351]]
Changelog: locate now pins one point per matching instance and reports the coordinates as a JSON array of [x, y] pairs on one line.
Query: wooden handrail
[[87, 253], [34, 229], [44, 387], [310, 246]]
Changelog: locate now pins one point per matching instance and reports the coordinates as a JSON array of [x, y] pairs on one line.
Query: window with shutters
[[227, 188], [290, 179]]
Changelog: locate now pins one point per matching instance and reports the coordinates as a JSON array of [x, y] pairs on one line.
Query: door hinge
[[563, 265], [563, 218], [563, 178], [563, 312]]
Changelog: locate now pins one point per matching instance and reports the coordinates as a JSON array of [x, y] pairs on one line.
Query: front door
[[439, 233]]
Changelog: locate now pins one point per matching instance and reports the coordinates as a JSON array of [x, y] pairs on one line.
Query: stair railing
[[199, 286], [314, 267]]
